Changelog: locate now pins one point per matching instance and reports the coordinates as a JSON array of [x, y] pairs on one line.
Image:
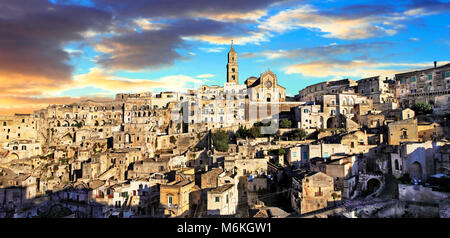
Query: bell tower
[[232, 66]]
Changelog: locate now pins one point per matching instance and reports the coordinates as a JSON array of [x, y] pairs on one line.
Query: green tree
[[242, 132], [285, 123], [220, 140], [297, 134], [255, 132], [422, 108]]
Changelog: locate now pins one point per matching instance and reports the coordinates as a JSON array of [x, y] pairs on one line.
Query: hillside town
[[369, 148]]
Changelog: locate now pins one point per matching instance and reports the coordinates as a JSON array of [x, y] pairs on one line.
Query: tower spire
[[232, 66]]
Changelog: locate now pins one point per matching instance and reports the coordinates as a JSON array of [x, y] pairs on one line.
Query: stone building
[[375, 88], [18, 127], [222, 200], [313, 191], [416, 159], [430, 131], [210, 179], [423, 85], [402, 131], [174, 198]]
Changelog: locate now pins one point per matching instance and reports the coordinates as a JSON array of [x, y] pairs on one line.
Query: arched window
[[351, 101], [397, 167], [344, 101]]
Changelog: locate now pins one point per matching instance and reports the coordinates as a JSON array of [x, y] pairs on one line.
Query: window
[[430, 77], [169, 200], [294, 154], [413, 79], [447, 74], [233, 70], [227, 198], [404, 134], [217, 199], [24, 147]]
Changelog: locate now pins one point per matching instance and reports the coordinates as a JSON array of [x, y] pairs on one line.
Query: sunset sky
[[61, 51]]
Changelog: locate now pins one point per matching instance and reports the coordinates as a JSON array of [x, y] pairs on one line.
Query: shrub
[[221, 140], [422, 108], [297, 134], [285, 123]]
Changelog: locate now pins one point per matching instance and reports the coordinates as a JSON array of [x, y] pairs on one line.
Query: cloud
[[322, 52], [101, 79], [151, 49], [32, 38], [147, 25], [252, 16], [414, 39], [107, 82], [351, 22], [205, 76], [212, 49], [340, 27], [353, 68], [249, 9], [252, 37]]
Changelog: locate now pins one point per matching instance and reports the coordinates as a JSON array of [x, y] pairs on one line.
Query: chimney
[[435, 64]]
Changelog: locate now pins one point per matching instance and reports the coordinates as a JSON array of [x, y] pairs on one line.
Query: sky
[[64, 51]]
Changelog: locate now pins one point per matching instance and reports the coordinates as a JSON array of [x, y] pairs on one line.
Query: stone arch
[[373, 185], [415, 170], [330, 122], [13, 156]]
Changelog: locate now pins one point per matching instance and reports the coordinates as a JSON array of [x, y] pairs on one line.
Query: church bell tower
[[232, 66]]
